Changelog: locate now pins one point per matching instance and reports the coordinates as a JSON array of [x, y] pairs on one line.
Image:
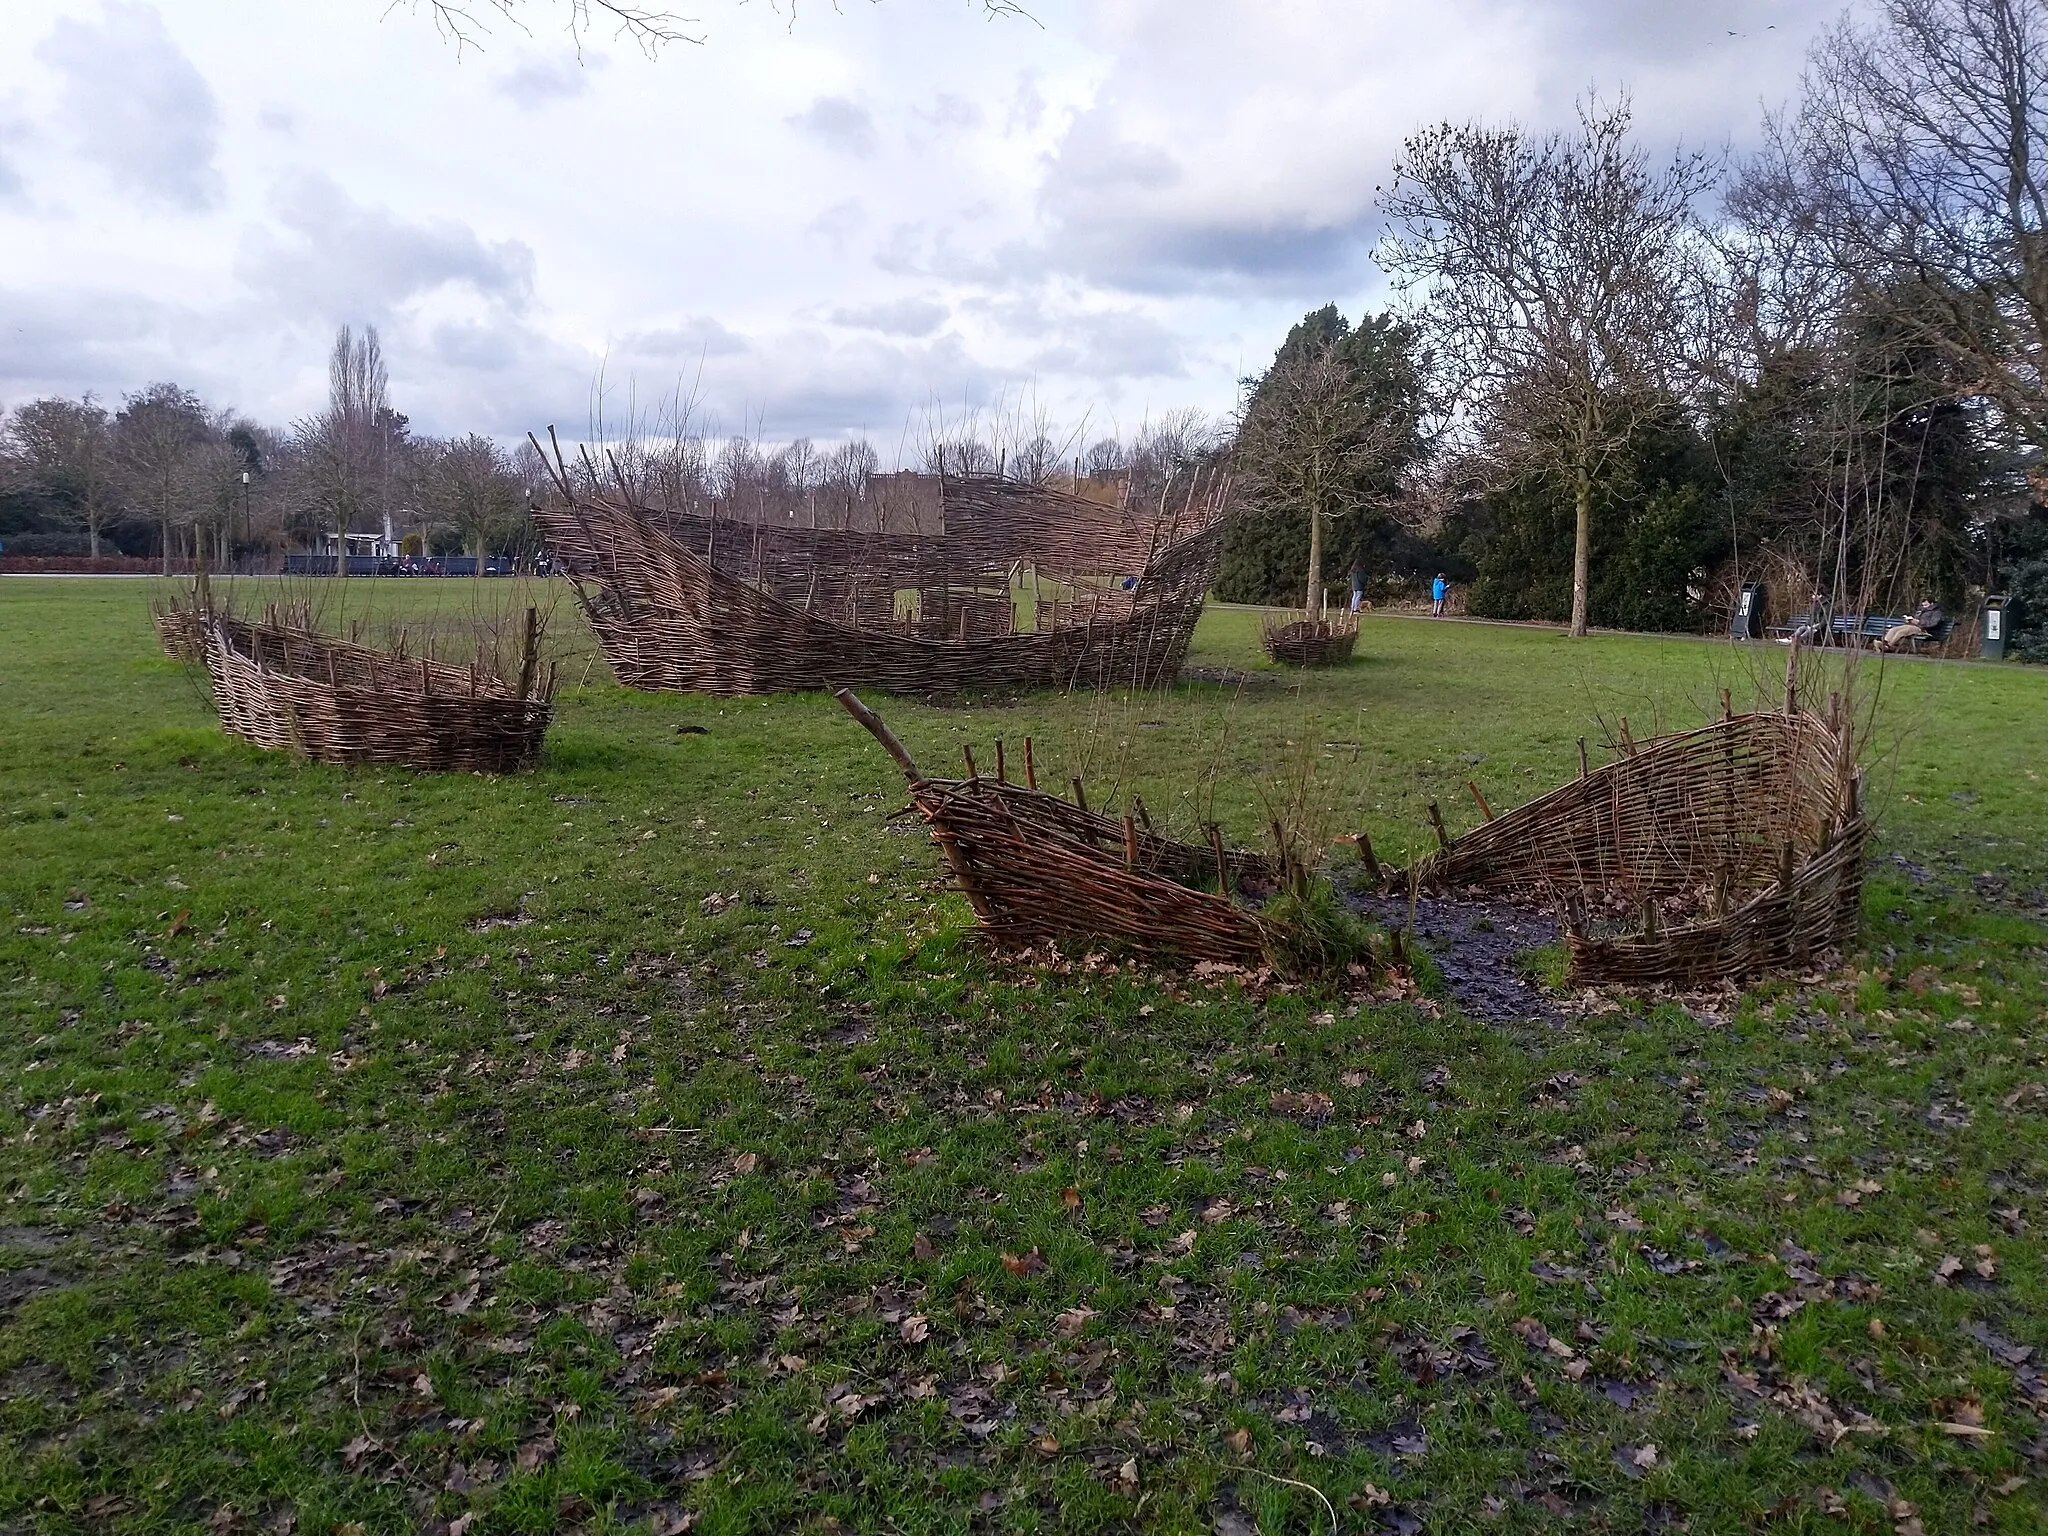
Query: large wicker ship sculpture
[[930, 584]]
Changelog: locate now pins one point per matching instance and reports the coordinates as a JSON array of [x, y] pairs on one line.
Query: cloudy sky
[[825, 222]]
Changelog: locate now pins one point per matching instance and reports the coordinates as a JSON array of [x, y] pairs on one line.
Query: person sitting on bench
[[1812, 628], [1925, 621]]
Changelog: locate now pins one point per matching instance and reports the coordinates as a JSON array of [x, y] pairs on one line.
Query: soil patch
[[1474, 940]]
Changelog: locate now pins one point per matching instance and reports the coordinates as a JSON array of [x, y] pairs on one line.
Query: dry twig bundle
[[1757, 819]]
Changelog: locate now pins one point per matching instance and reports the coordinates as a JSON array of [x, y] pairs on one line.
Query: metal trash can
[[1748, 623], [1993, 627]]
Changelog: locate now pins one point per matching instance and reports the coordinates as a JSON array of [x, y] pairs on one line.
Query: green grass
[[642, 1143]]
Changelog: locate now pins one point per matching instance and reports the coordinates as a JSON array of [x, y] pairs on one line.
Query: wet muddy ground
[[1474, 941]]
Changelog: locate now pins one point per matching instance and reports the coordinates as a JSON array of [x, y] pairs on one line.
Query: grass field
[[640, 1143]]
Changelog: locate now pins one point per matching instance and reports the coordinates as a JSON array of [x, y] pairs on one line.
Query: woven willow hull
[[1036, 867], [290, 690], [1763, 812], [733, 608]]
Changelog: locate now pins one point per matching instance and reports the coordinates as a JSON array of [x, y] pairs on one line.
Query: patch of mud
[[1474, 941]]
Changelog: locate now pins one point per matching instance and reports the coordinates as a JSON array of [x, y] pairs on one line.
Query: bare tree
[[1308, 445], [68, 443], [466, 23], [1105, 457], [346, 452], [1913, 180], [472, 486], [1551, 275], [155, 437]]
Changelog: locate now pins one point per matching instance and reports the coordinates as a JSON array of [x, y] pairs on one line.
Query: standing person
[[1437, 591], [1358, 584]]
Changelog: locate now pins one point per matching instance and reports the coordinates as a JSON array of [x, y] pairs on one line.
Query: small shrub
[[1315, 934]]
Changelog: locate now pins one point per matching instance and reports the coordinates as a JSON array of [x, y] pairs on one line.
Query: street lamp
[[245, 514]]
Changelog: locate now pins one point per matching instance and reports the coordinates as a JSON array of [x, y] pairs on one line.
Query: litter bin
[[1748, 623], [1997, 620]]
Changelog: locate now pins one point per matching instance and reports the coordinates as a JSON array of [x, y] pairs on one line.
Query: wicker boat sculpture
[[1751, 828], [1036, 867], [1017, 587], [289, 689]]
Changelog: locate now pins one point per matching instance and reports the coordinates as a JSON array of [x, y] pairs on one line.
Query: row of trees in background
[[167, 477], [1614, 384]]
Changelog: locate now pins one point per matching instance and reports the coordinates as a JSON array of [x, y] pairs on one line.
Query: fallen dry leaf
[[1024, 1263], [1240, 1441], [1074, 1319], [914, 1328], [746, 1162]]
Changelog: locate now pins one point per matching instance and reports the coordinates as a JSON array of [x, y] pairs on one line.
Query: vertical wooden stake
[[1436, 819], [1080, 795], [1727, 706], [1370, 859], [1484, 809], [1138, 805], [529, 652], [1628, 742], [1792, 677], [967, 752], [1222, 864], [1000, 779], [1130, 846], [1030, 771], [1583, 770]]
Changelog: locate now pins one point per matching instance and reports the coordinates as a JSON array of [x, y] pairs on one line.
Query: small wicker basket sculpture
[[1299, 641]]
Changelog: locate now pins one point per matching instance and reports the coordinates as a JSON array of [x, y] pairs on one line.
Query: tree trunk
[[92, 532], [165, 537], [1315, 562], [341, 550], [1582, 550]]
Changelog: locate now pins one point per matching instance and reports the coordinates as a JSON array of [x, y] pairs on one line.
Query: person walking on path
[[1437, 591], [1358, 584]]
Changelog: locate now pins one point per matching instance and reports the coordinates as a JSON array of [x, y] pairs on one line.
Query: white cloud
[[841, 123], [823, 227], [333, 257], [545, 78], [895, 317], [136, 105]]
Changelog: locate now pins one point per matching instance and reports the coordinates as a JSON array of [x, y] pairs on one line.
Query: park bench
[[1864, 628]]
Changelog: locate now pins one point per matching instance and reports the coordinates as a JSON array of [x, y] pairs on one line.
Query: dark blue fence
[[399, 565]]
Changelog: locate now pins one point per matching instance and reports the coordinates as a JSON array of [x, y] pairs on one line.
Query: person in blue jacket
[[1437, 590]]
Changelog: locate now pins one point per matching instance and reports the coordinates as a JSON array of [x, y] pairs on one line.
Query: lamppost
[[245, 514]]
